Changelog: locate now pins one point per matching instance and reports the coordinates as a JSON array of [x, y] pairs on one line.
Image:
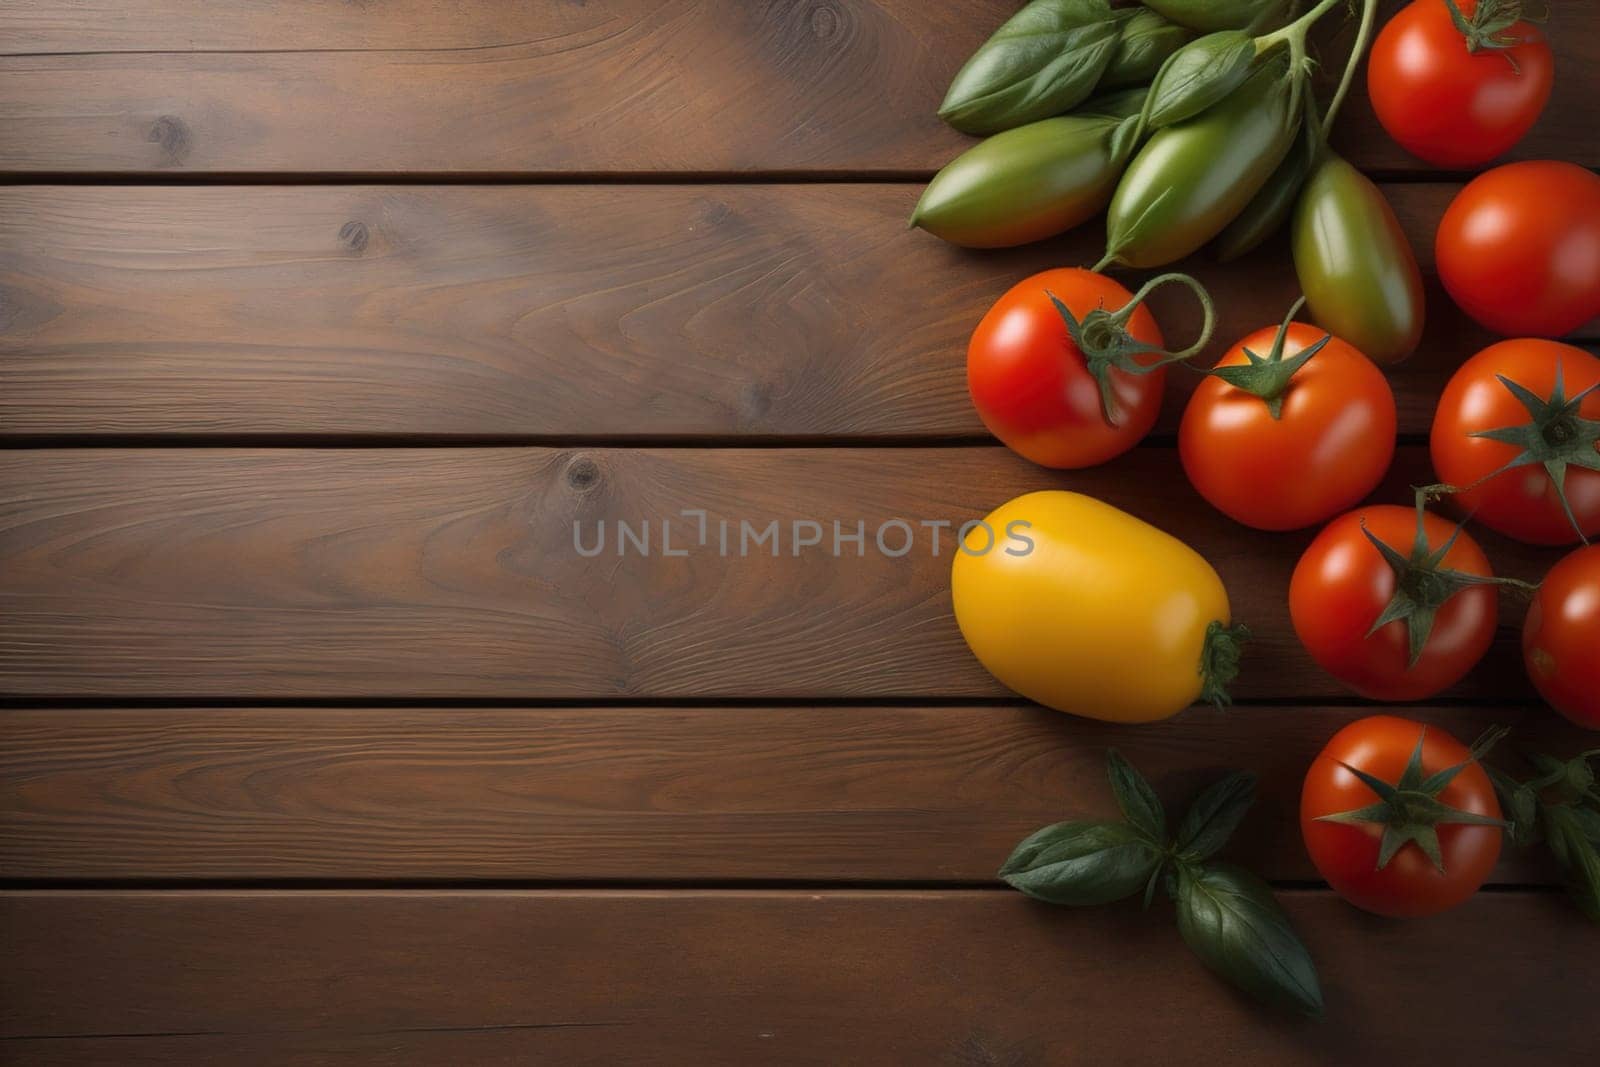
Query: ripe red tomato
[[1525, 501], [1032, 386], [1342, 584], [1561, 637], [1347, 853], [1447, 104], [1328, 446], [1519, 248]]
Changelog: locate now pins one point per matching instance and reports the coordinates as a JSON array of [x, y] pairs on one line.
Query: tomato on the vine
[[1396, 603], [1518, 433], [1400, 818], [1458, 94], [1067, 367], [1561, 637], [1292, 427], [1519, 248]]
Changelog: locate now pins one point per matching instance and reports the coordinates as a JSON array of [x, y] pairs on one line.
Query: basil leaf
[[1081, 863], [1257, 16], [1045, 60], [1138, 802], [1576, 851], [1230, 919], [1215, 815], [1200, 74], [1145, 42]]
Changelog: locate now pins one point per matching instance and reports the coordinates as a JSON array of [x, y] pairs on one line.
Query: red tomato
[[1346, 854], [1033, 388], [1446, 104], [1519, 248], [1343, 583], [1522, 502], [1561, 637], [1328, 447]]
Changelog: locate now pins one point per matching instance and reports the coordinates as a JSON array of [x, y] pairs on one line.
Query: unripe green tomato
[[1192, 179], [1024, 184], [1356, 267]]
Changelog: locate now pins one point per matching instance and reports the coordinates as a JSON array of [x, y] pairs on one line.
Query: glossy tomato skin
[[1032, 387], [1342, 584], [1561, 637], [1105, 616], [1445, 104], [1519, 248], [1523, 502], [1329, 447], [1346, 855]]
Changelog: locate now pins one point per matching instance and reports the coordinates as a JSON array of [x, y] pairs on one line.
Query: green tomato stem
[[1297, 30], [1369, 12]]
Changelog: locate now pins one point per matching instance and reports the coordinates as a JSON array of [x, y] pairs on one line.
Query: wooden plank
[[446, 573], [798, 311], [774, 977], [603, 794], [635, 86]]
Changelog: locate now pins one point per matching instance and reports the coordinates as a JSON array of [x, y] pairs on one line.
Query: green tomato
[[1356, 268], [1193, 178], [1025, 184]]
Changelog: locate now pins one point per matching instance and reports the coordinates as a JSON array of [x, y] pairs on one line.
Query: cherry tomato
[[1327, 447], [1519, 248], [1447, 104], [1347, 854], [1523, 502], [1032, 386], [1342, 584], [1561, 637]]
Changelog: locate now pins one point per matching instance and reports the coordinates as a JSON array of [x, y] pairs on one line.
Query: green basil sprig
[[1227, 916], [1255, 15], [1144, 43], [1560, 808], [1045, 60], [1198, 75]]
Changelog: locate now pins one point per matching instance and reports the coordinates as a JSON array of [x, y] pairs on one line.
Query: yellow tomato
[[1105, 616]]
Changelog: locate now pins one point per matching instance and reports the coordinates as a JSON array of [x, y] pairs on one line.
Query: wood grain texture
[[552, 87], [443, 573], [590, 311], [851, 794], [773, 977]]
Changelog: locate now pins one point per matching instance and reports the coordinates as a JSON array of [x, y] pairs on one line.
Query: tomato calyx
[[1219, 661], [1410, 810], [1486, 28], [1556, 437], [1102, 338], [1421, 585], [1268, 377]]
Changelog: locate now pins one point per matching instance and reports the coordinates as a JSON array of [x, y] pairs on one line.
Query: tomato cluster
[[1295, 427]]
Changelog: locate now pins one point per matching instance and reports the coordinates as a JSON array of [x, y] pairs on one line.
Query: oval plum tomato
[[1433, 595], [1291, 428], [1519, 248], [1038, 392], [1454, 98], [1400, 818], [1561, 637], [1518, 432]]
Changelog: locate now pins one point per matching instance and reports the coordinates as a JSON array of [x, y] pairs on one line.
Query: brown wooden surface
[[459, 702], [551, 87], [452, 573], [815, 978], [825, 794], [548, 311]]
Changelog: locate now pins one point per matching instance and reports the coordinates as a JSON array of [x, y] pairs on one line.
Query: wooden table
[[322, 322]]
